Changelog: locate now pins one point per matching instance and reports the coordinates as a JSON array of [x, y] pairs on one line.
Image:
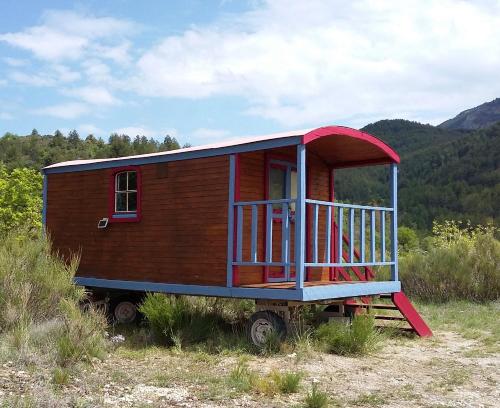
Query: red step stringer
[[400, 303], [411, 315]]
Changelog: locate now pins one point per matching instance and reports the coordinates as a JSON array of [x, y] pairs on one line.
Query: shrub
[[32, 281], [358, 338], [82, 337], [179, 320], [41, 319], [459, 262], [316, 398]]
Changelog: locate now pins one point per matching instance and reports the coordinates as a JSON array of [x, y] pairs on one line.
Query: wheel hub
[[260, 330], [125, 312]]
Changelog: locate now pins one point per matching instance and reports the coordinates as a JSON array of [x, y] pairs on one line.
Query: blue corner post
[[44, 208], [300, 217], [230, 220], [394, 222]]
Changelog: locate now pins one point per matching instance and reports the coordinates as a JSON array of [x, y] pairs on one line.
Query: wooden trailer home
[[252, 218]]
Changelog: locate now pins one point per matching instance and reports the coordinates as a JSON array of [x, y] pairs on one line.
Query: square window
[[125, 195]]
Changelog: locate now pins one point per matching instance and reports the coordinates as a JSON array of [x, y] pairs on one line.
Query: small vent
[[162, 170]]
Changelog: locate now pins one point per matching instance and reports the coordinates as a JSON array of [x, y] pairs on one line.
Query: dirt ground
[[447, 370]]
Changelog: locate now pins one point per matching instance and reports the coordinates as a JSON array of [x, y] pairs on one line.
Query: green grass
[[60, 376], [361, 337], [316, 398], [287, 383], [475, 321]]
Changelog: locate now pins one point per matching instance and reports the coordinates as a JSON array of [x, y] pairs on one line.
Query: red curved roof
[[344, 147]]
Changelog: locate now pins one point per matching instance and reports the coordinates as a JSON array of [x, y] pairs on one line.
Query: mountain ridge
[[478, 117]]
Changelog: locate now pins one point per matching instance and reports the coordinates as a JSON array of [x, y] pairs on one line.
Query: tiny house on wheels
[[253, 218]]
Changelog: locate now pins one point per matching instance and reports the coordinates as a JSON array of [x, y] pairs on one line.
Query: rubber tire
[[274, 322], [114, 303]]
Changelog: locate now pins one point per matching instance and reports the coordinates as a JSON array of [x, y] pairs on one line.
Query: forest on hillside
[[444, 174]]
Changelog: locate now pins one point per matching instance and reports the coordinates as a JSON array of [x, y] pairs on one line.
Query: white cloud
[[51, 75], [16, 62], [69, 35], [314, 62], [64, 110], [95, 95], [205, 135]]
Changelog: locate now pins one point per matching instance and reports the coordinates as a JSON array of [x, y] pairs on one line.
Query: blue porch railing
[[352, 221], [339, 218], [283, 215]]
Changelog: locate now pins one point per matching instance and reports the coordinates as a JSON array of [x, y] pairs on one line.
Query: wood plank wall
[[181, 238]]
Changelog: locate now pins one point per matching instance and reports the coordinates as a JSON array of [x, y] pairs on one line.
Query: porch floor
[[291, 285]]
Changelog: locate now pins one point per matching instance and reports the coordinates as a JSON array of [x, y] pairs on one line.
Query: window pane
[[293, 187], [121, 202], [132, 201], [277, 186], [121, 182], [132, 180]]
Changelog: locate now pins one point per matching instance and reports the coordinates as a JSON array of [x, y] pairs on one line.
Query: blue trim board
[[336, 291], [197, 154], [197, 290], [128, 215], [310, 293]]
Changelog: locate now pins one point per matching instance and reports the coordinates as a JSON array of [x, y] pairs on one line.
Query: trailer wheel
[[262, 323], [124, 310]]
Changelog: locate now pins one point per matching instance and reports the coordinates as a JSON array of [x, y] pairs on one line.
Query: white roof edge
[[228, 143]]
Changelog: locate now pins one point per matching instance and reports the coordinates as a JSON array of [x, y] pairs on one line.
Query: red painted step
[[410, 313]]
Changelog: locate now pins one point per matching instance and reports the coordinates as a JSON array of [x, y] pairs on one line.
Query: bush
[[180, 320], [82, 337], [459, 262], [32, 281], [41, 318], [359, 338]]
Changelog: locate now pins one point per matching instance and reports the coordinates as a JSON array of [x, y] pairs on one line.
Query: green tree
[[20, 198]]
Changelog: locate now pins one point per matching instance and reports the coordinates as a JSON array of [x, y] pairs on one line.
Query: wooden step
[[386, 317], [374, 306]]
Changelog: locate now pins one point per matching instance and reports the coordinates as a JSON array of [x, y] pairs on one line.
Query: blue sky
[[209, 70]]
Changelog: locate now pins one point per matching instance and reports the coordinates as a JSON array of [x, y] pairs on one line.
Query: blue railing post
[[394, 222], [300, 217], [230, 221]]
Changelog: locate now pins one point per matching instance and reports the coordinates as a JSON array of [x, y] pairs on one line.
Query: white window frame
[[127, 192]]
